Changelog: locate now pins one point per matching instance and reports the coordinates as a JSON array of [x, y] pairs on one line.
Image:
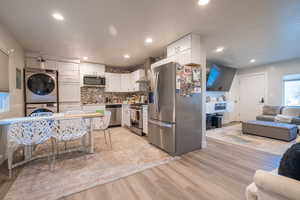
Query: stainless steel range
[[136, 119]]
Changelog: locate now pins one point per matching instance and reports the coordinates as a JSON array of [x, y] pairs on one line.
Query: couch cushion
[[291, 111], [268, 118], [271, 110]]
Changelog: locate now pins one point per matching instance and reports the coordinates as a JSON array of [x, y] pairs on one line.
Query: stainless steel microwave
[[93, 81]]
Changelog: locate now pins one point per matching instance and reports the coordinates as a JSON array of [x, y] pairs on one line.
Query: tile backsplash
[[90, 95], [93, 95]]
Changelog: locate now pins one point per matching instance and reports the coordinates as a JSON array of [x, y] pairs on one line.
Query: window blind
[[4, 76]]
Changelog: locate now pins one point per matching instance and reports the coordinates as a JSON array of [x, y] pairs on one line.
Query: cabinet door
[[69, 72], [116, 82], [113, 82], [69, 92], [108, 82], [125, 83], [179, 46], [64, 107], [51, 64], [65, 67], [125, 115]]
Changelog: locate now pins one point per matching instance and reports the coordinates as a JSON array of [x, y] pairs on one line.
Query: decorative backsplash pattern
[[93, 95]]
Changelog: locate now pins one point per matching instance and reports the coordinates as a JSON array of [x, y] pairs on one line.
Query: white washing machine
[[36, 108], [40, 86]]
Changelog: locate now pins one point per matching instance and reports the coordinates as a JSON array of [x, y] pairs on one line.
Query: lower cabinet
[[69, 92], [126, 115], [145, 119], [65, 107]]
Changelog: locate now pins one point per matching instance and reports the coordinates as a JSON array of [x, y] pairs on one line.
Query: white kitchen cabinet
[[69, 92], [126, 83], [186, 50], [126, 115], [113, 82], [68, 72], [65, 107], [137, 75], [91, 69], [32, 62], [51, 64], [145, 119]]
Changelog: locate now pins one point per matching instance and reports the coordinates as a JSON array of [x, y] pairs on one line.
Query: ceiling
[[105, 30]]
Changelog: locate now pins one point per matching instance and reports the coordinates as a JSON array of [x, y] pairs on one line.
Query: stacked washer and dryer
[[41, 91]]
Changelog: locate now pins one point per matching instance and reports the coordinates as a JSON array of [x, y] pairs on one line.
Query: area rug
[[233, 134], [76, 172]]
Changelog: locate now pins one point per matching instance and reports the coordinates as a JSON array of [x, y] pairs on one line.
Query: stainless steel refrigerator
[[175, 121]]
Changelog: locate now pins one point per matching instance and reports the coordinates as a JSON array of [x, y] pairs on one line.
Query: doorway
[[252, 95]]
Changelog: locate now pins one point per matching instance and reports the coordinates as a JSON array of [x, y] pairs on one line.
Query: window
[[4, 102], [292, 92]]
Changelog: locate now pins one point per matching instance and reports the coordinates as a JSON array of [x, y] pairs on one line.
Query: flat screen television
[[219, 78]]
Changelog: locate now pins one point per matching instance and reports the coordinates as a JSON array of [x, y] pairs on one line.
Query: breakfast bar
[[5, 123]]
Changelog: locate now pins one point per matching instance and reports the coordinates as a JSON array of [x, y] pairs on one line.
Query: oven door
[[136, 118]]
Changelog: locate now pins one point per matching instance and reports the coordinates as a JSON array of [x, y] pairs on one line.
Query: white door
[[252, 96]]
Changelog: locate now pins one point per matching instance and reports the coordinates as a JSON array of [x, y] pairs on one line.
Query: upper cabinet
[[137, 76], [113, 82], [91, 69], [124, 82], [68, 72], [186, 50], [51, 64]]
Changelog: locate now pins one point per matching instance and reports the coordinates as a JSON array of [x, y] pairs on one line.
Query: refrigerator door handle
[[162, 124], [157, 92]]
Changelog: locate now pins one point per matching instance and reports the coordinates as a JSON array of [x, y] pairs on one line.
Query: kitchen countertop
[[109, 104]]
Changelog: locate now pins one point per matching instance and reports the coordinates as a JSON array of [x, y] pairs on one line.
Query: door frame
[[240, 76]]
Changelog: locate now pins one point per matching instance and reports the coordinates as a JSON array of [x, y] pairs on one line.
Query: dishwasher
[[116, 114]]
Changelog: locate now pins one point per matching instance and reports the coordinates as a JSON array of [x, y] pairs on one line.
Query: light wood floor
[[221, 171]]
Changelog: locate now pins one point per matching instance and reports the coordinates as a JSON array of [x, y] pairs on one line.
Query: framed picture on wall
[[18, 78]]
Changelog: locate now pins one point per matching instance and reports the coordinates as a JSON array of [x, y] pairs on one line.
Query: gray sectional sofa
[[270, 112], [282, 123]]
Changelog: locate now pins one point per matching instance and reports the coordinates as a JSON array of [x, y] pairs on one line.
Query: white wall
[[275, 73], [16, 60]]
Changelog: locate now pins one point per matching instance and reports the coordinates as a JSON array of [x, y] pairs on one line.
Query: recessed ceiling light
[[126, 56], [85, 58], [203, 2], [219, 49], [252, 61], [58, 16], [149, 40]]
